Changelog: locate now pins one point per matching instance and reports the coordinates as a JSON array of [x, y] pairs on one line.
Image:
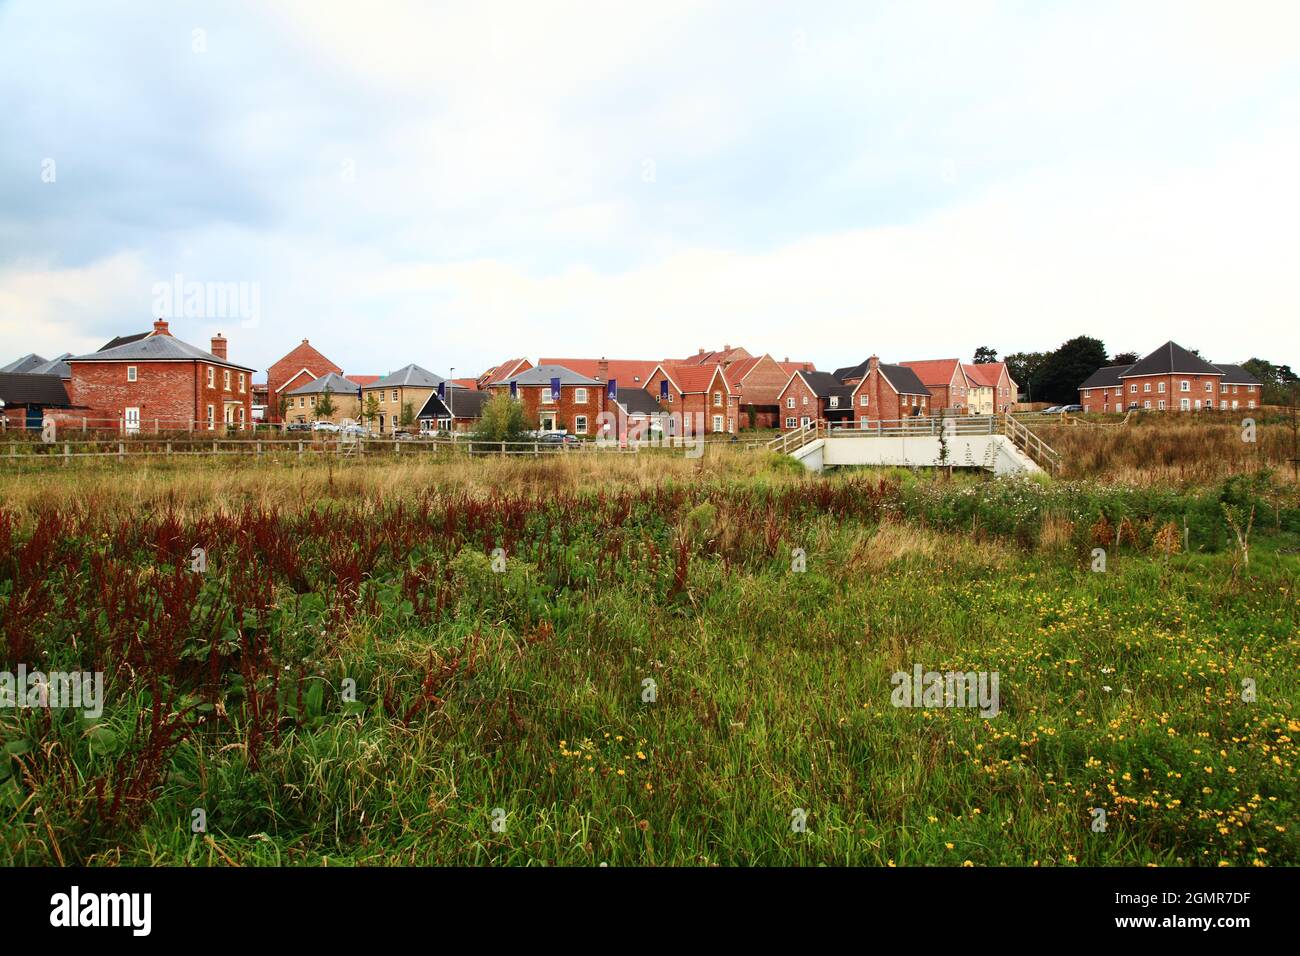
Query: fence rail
[[65, 450]]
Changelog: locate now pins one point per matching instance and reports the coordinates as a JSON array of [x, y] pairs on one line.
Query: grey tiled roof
[[409, 376], [1170, 358], [155, 348], [904, 379], [25, 364], [27, 389], [542, 375], [336, 383]]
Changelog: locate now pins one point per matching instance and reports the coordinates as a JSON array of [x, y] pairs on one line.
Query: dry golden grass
[[1164, 448]]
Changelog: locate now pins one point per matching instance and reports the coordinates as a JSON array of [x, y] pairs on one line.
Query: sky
[[454, 184]]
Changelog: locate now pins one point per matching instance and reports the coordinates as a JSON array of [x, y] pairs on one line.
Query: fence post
[[259, 448], [214, 447], [121, 451], [67, 451], [300, 450], [397, 447], [536, 450], [503, 448], [169, 449]]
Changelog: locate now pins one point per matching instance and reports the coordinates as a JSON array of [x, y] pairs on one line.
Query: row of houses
[[153, 381]]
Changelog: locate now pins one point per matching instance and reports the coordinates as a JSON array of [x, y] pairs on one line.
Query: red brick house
[[994, 375], [628, 373], [724, 357], [699, 391], [303, 364], [883, 392], [947, 383], [578, 408], [812, 396], [756, 384], [159, 383], [1170, 379]]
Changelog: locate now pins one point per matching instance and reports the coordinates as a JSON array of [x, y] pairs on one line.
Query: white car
[[324, 427]]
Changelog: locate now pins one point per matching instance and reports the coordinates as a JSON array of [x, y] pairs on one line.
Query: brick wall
[[536, 402], [164, 392]]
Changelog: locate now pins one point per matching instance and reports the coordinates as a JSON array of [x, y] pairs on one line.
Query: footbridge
[[996, 443]]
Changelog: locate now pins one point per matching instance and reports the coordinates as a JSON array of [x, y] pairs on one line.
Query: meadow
[[667, 662]]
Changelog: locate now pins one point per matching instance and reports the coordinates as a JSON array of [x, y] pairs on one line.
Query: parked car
[[324, 427], [297, 427], [559, 438], [358, 430], [1054, 410], [1071, 408]]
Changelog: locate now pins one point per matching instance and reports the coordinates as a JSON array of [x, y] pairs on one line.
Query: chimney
[[787, 360], [873, 362], [701, 352], [602, 370], [160, 327], [727, 347], [219, 346]]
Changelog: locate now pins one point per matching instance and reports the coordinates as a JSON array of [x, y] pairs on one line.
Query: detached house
[[699, 391], [559, 398], [627, 373], [301, 365], [157, 382], [884, 392], [408, 387], [1170, 379], [345, 398], [810, 396]]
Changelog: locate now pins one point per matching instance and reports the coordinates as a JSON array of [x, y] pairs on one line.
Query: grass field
[[502, 712]]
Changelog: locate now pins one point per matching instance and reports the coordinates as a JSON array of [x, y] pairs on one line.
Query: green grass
[[523, 690]]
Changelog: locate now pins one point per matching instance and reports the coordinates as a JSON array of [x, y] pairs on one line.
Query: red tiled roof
[[791, 367], [722, 356], [633, 373], [691, 378], [933, 371], [470, 383], [363, 380], [496, 373]]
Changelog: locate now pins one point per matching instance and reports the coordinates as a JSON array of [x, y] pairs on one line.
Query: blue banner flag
[[555, 389], [663, 390], [613, 389], [514, 389], [442, 391]]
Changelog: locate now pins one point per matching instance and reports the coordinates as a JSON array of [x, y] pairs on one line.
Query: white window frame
[[717, 399], [225, 380], [212, 417], [834, 401], [131, 374], [789, 402], [717, 423], [1184, 404], [580, 424], [580, 396], [1184, 386], [789, 423], [212, 377]]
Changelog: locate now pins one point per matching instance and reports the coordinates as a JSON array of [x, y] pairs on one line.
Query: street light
[[451, 402]]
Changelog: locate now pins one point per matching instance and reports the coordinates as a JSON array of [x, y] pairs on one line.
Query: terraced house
[[1171, 378], [700, 391], [946, 381], [812, 396]]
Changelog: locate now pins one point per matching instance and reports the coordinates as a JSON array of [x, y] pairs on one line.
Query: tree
[[1278, 380], [325, 407], [984, 355], [371, 411], [1025, 369], [283, 405], [503, 419], [408, 416], [1067, 367], [1123, 358]]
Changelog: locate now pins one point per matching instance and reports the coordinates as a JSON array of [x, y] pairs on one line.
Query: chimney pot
[[160, 327], [219, 346], [873, 362]]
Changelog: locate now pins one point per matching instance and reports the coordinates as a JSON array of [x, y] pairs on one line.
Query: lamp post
[[451, 402]]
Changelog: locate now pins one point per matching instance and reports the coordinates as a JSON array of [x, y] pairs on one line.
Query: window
[[1250, 388], [1209, 386], [1146, 404], [1184, 386], [717, 399], [1119, 391], [241, 417], [580, 424], [130, 373], [212, 377], [1234, 404], [1250, 403], [1234, 390], [1161, 388], [789, 423], [241, 382], [1146, 386], [1223, 389], [1133, 388], [1161, 404], [1087, 393], [225, 379], [212, 414], [394, 396], [805, 399], [1185, 404], [789, 402], [717, 423], [863, 400], [835, 401], [670, 398], [580, 396]]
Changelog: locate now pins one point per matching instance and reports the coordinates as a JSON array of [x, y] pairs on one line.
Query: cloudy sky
[[452, 184]]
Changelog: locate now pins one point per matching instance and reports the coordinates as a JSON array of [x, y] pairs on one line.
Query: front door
[[548, 421], [131, 420], [35, 418]]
